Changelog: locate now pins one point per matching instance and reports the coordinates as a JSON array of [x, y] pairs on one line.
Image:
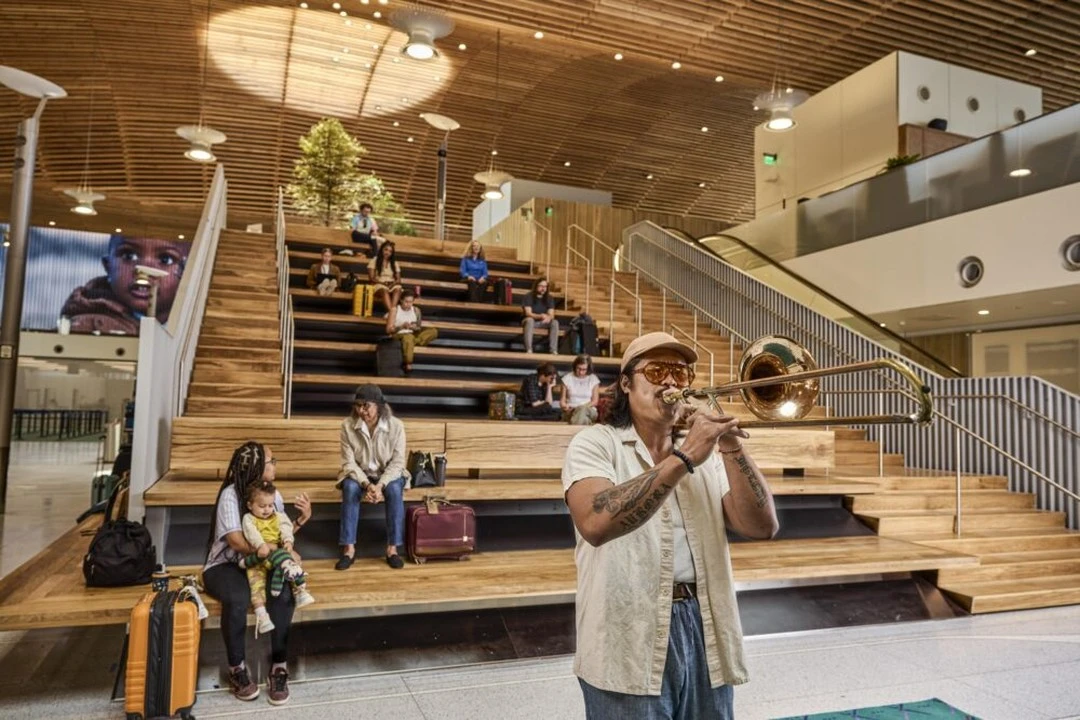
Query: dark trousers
[[359, 237], [540, 412], [229, 585], [476, 291]]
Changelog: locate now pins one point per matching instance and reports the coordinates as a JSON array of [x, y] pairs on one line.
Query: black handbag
[[422, 469], [348, 283], [122, 552]]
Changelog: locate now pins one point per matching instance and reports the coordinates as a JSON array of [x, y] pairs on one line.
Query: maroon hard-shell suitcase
[[440, 529]]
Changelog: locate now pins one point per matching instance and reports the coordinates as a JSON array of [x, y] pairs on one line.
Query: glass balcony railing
[[1040, 154]]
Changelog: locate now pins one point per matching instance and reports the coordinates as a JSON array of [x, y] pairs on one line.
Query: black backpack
[[121, 553], [422, 469], [348, 283]]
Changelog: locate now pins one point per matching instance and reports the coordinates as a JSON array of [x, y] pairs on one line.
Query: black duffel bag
[[121, 553]]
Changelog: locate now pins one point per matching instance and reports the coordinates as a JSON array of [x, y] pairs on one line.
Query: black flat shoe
[[344, 562], [395, 561]]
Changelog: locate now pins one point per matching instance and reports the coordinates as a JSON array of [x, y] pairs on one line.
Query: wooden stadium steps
[[1016, 594], [941, 500], [431, 308], [178, 489], [254, 353], [431, 288], [49, 591], [862, 459], [306, 255], [348, 326], [439, 354], [1013, 566], [214, 406], [315, 238], [915, 523], [300, 262], [944, 482], [233, 361], [996, 542]]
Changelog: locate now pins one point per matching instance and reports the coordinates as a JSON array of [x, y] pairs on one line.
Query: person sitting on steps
[[539, 310], [405, 323], [474, 271], [385, 275], [365, 230], [536, 395], [581, 392], [324, 276]]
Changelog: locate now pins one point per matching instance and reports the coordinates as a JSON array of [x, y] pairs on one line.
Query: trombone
[[778, 382]]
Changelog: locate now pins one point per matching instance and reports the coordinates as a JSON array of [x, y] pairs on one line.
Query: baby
[[271, 534]]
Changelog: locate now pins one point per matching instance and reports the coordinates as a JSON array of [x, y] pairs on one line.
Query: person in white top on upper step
[[581, 392], [405, 323]]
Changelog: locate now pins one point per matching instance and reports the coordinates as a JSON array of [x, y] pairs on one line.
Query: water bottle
[[159, 581], [440, 470]]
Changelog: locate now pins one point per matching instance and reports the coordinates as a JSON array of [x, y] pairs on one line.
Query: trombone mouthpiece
[[675, 396]]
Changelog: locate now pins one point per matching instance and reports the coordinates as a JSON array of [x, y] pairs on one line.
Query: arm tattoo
[[756, 487], [632, 500]]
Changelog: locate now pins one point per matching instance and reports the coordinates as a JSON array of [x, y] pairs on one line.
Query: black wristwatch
[[686, 460]]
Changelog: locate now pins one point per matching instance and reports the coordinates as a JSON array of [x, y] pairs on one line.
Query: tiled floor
[[1014, 666]]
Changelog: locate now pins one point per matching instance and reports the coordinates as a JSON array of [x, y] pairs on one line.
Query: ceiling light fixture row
[[84, 195], [201, 138], [782, 99], [493, 179]]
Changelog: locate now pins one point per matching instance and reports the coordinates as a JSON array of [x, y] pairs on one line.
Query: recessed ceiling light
[[336, 6], [676, 65], [343, 14], [494, 152], [881, 324], [179, 237], [566, 164], [405, 100], [397, 60], [336, 59], [345, 50], [396, 123], [1019, 172], [52, 223], [701, 184], [539, 35], [363, 2], [303, 6], [374, 46], [462, 46], [119, 230], [367, 66], [719, 78], [376, 14], [409, 139], [378, 107], [1031, 52], [984, 312], [348, 23], [704, 128], [618, 56], [649, 176], [383, 2], [438, 78], [367, 26]]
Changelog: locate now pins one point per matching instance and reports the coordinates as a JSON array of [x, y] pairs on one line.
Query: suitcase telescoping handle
[[432, 503]]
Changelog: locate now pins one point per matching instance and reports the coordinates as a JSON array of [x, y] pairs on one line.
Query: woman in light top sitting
[[474, 271], [581, 392], [385, 275], [405, 323], [324, 276]]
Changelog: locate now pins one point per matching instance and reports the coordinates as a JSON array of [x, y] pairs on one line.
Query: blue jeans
[[685, 693], [395, 511]]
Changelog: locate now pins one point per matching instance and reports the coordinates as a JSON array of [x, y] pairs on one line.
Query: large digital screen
[[86, 280]]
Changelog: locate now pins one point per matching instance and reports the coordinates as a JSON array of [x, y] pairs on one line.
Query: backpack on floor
[[122, 552]]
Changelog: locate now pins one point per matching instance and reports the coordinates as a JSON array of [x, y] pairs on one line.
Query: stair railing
[[676, 331], [713, 282], [287, 327], [533, 264], [588, 275], [167, 357]]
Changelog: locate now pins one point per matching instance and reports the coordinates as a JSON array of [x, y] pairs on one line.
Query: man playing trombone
[[658, 632]]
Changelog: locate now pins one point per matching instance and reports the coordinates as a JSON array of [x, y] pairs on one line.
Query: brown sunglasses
[[656, 372]]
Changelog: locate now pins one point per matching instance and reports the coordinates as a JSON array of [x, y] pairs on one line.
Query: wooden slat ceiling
[[273, 69]]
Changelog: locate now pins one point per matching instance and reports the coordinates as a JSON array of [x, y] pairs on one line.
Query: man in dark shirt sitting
[[536, 398], [539, 309]]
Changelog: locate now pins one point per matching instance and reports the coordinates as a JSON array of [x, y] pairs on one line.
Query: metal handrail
[[588, 274], [959, 428], [290, 357], [611, 309], [712, 357], [547, 254]]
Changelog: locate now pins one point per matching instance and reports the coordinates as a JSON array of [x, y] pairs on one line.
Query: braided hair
[[245, 468]]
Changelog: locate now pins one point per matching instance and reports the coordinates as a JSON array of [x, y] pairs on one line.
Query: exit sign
[[769, 158]]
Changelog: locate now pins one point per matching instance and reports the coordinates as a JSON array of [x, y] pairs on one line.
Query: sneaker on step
[[263, 624], [277, 686], [241, 686], [303, 598]]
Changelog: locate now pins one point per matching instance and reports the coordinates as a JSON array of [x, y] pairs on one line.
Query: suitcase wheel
[[186, 715], [420, 561], [134, 716]]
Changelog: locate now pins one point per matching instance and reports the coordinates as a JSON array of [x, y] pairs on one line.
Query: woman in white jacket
[[372, 471]]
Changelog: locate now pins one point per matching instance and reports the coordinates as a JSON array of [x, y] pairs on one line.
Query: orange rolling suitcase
[[163, 657]]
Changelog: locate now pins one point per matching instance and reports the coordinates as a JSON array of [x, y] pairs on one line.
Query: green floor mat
[[921, 710]]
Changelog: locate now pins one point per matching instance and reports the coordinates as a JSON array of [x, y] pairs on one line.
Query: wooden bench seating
[[432, 353], [316, 238], [48, 590], [431, 307], [342, 322], [358, 265], [430, 287]]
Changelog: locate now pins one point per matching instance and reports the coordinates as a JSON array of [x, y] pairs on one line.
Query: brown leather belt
[[683, 591]]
